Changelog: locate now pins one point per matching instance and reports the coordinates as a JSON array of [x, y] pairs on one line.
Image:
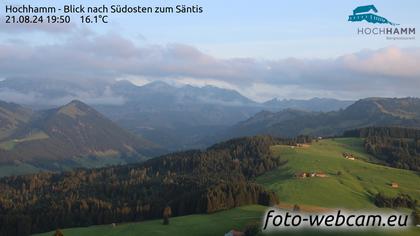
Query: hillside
[[12, 117], [191, 182], [203, 225], [399, 147], [352, 189], [354, 182], [68, 134], [314, 104], [408, 108], [364, 113]]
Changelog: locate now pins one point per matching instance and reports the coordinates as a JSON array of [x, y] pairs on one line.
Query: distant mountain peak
[[158, 85], [74, 109], [77, 103], [72, 130]]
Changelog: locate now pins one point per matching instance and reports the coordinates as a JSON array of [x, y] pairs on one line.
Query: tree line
[[399, 147], [399, 201]]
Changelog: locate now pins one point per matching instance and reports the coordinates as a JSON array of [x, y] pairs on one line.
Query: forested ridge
[[402, 112], [397, 146], [218, 178]]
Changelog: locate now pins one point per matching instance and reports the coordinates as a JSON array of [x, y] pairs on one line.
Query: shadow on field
[[281, 173]]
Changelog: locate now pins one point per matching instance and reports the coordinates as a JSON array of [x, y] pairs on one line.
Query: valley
[[179, 147]]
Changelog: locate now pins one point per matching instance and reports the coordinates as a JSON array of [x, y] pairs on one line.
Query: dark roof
[[363, 9]]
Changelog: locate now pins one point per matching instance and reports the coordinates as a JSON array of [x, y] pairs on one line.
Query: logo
[[388, 29], [363, 13]]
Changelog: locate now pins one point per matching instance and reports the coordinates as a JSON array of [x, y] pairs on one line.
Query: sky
[[264, 49]]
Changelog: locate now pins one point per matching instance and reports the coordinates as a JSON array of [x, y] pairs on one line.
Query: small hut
[[302, 175], [395, 185], [320, 174]]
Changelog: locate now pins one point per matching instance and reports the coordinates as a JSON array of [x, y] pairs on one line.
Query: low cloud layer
[[386, 72], [36, 98]]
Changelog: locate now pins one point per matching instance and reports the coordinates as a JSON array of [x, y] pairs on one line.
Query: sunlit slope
[[204, 225], [349, 184], [211, 224]]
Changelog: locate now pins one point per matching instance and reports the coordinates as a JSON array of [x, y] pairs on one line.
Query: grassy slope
[[350, 190], [10, 144], [212, 224]]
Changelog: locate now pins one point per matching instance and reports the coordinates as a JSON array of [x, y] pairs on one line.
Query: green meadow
[[207, 225], [10, 144], [349, 184]]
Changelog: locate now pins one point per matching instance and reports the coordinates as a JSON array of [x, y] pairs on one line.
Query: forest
[[398, 147], [400, 201], [218, 178]]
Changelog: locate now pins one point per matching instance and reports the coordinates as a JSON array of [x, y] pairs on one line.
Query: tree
[[252, 229], [167, 212], [416, 216]]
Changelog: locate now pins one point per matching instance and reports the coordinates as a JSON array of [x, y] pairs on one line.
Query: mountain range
[[314, 104], [174, 117], [159, 118], [185, 117], [404, 112], [177, 117]]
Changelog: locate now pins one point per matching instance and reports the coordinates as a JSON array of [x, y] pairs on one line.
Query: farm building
[[349, 156], [320, 174], [302, 175], [312, 175], [395, 185]]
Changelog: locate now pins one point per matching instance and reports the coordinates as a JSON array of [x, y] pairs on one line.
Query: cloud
[[385, 72], [10, 95], [36, 98], [390, 61]]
